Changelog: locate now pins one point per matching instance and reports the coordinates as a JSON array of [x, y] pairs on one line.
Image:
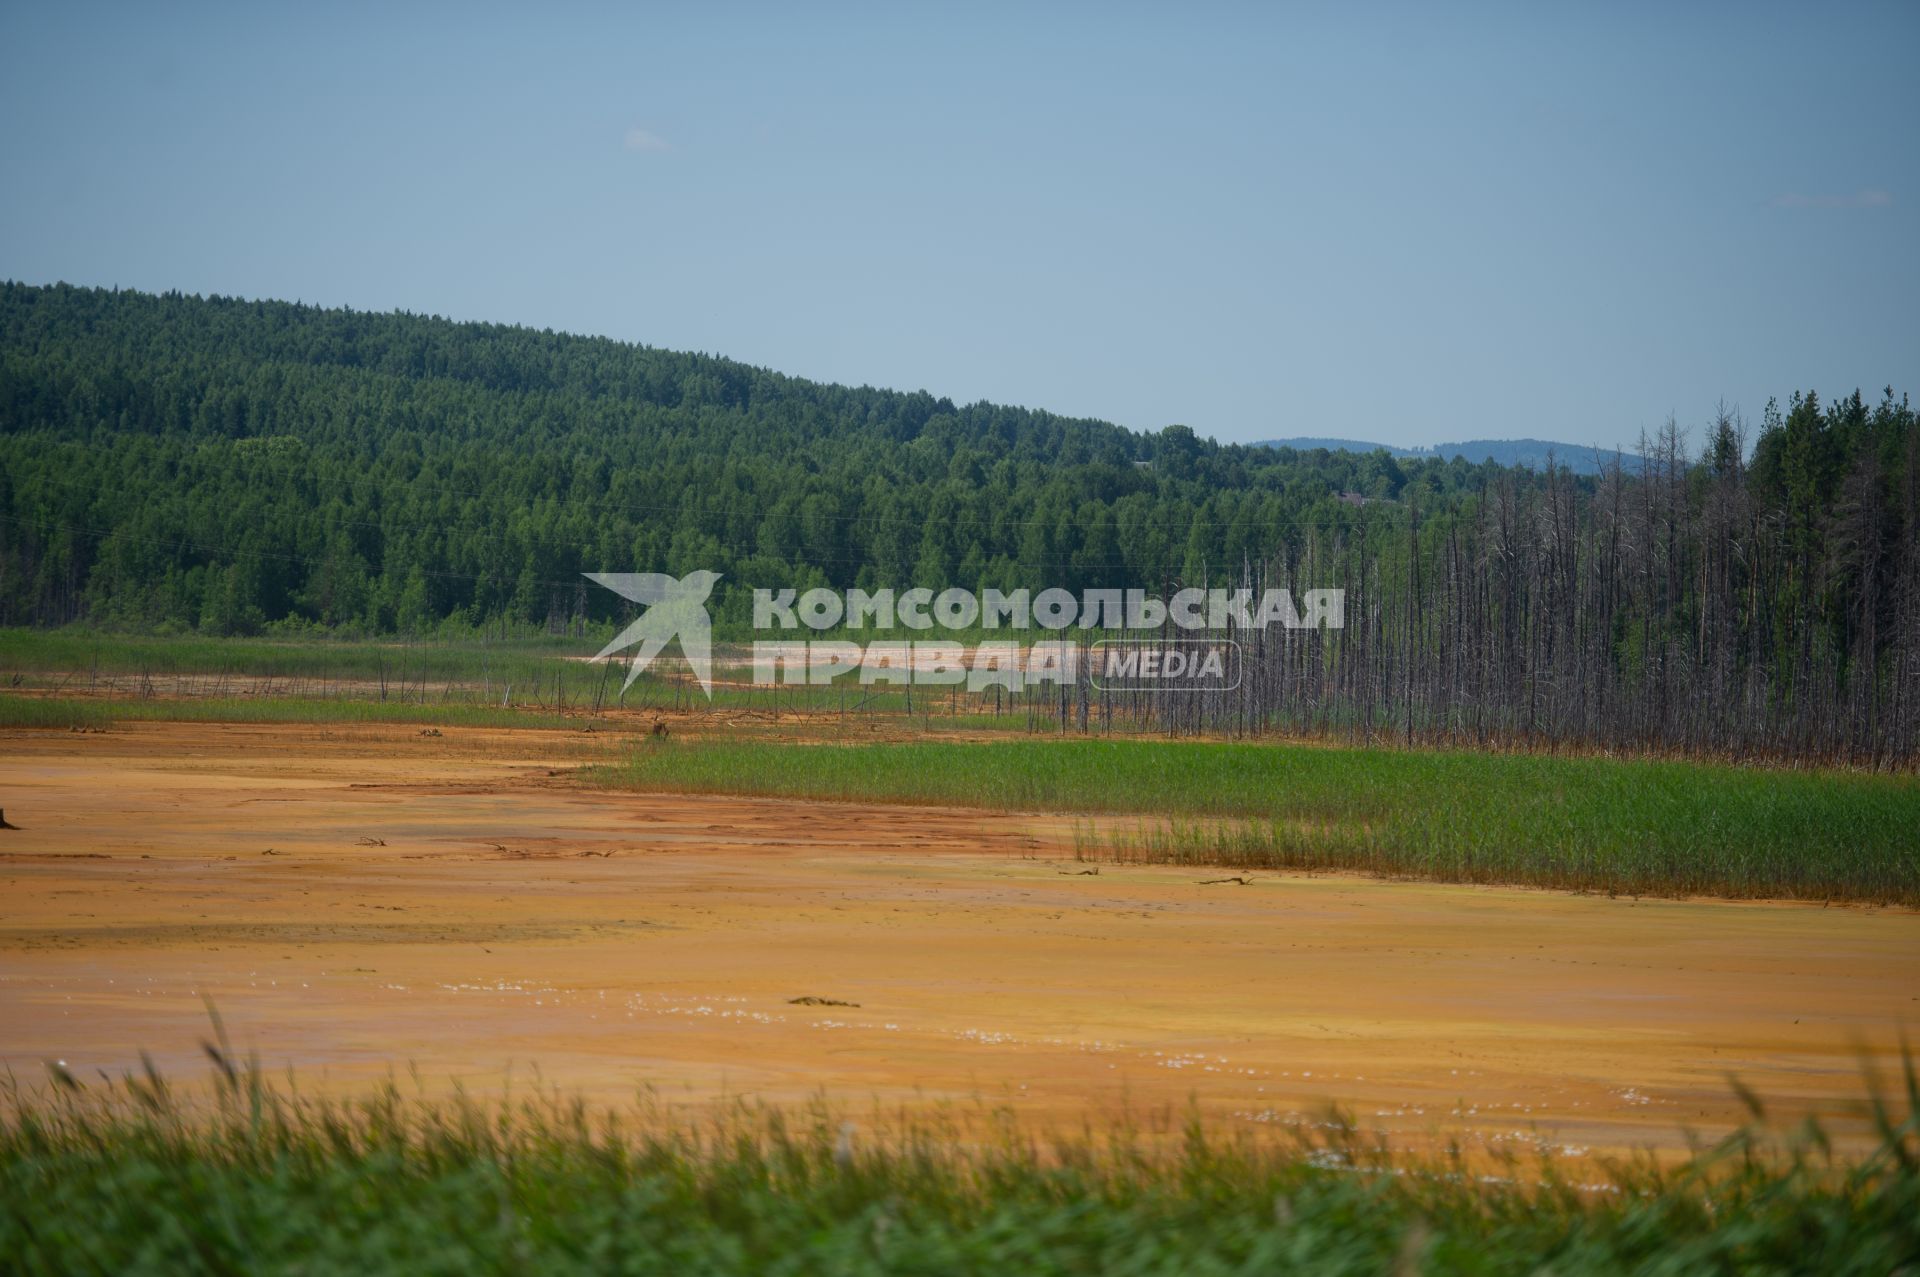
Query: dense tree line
[[234, 466]]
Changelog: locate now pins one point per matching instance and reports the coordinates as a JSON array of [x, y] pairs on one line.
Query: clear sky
[[1421, 224]]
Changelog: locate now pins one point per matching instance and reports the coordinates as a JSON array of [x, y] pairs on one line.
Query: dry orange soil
[[509, 919]]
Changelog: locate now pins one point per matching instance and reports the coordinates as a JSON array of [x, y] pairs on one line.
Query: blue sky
[[1405, 224]]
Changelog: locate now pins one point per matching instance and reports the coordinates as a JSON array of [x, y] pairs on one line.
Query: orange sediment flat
[[357, 899]]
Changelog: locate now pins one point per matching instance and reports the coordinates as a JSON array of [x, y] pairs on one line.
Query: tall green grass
[[1594, 824], [127, 1177]]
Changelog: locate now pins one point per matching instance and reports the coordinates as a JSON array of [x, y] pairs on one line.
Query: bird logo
[[676, 608]]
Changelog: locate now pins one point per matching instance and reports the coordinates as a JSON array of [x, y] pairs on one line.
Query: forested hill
[[230, 464]]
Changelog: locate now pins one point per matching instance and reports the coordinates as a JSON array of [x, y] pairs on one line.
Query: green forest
[[230, 465], [178, 463]]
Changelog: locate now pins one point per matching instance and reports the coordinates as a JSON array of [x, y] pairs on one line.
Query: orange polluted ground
[[359, 899]]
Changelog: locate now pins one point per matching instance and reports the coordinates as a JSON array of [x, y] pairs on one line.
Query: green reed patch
[[1596, 824]]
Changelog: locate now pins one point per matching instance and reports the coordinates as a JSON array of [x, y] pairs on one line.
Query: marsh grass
[[310, 658], [1631, 826], [130, 1175], [541, 672], [89, 713]]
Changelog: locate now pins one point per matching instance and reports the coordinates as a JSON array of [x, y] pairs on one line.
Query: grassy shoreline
[[1592, 824], [1635, 826]]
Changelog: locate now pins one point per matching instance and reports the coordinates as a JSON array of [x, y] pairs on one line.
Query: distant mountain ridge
[[1532, 453]]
